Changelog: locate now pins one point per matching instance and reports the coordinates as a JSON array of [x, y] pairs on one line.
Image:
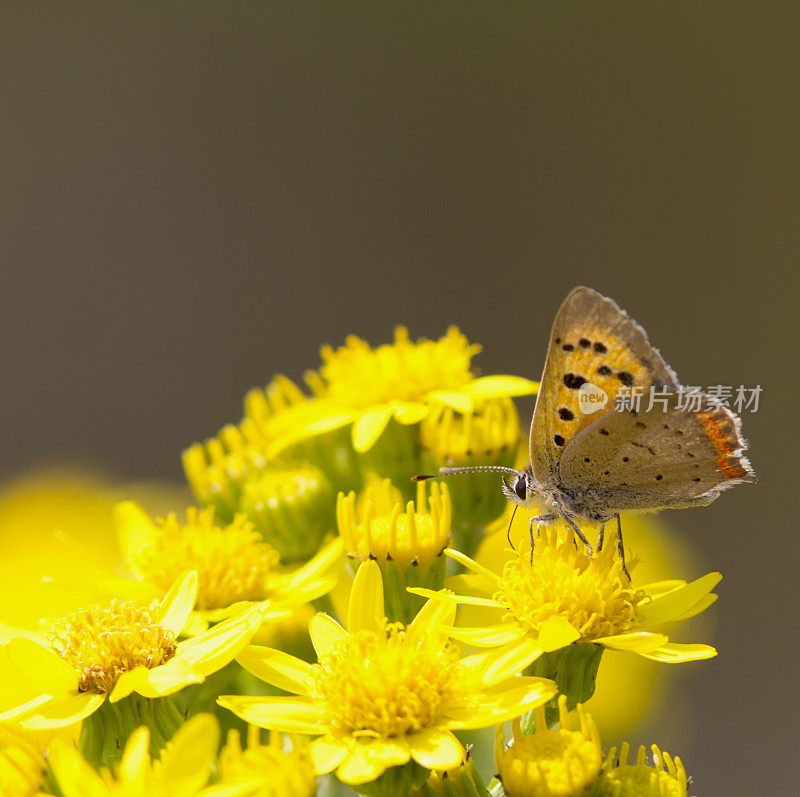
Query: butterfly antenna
[[459, 471]]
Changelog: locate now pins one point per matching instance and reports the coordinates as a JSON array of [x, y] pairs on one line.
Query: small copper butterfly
[[589, 460]]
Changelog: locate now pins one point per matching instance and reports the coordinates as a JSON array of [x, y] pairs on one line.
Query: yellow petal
[[38, 668], [673, 604], [509, 660], [327, 753], [331, 557], [135, 531], [213, 649], [369, 427], [434, 748], [325, 633], [187, 762], [277, 668], [676, 653], [407, 412], [158, 682], [173, 612], [471, 564], [368, 760], [488, 636], [502, 702], [136, 757], [636, 641], [75, 777], [431, 618], [556, 633], [63, 712], [287, 714], [498, 386], [329, 422], [365, 610], [458, 401]]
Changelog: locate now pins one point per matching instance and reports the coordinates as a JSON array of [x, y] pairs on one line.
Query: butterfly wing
[[656, 459], [592, 340]]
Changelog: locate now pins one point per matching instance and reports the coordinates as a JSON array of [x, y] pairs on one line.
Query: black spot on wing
[[574, 381]]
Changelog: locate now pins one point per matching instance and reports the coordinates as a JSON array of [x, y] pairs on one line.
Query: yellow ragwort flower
[[368, 387], [269, 770], [22, 766], [235, 567], [666, 778], [559, 596], [382, 694], [182, 770], [91, 656], [550, 763], [374, 525]]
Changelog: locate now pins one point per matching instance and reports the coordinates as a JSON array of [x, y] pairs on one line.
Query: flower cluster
[[379, 630]]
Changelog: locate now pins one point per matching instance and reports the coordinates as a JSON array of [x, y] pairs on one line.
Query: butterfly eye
[[521, 487]]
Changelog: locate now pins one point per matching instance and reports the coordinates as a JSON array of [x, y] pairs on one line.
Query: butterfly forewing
[[593, 341]]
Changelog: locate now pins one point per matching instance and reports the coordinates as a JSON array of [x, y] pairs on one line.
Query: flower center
[[381, 685], [361, 377], [375, 526], [641, 781], [101, 644], [561, 581], [232, 563]]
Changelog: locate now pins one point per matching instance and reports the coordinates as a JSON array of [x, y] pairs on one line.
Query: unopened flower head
[[382, 693], [666, 777], [550, 763], [374, 525], [270, 770]]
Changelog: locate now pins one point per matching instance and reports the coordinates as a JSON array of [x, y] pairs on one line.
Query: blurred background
[[195, 197]]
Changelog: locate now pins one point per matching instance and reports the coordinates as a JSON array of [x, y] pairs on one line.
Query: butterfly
[[592, 456]]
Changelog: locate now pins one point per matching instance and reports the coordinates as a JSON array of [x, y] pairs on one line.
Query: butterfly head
[[520, 487]]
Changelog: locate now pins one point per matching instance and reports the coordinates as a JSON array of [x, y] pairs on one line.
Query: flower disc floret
[[359, 376], [233, 563], [560, 580], [101, 644], [665, 778], [377, 684]]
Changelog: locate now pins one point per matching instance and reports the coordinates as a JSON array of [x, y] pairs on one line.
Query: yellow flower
[[22, 766], [376, 527], [98, 654], [235, 567], [75, 504], [559, 596], [550, 763], [182, 770], [382, 694], [667, 778], [268, 771], [368, 387]]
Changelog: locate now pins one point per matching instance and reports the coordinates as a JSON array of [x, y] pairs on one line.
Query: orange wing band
[[723, 439]]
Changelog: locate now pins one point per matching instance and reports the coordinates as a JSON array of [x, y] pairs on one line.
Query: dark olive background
[[196, 196]]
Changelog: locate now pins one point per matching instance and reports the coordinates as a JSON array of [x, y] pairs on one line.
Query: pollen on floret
[[550, 763], [233, 563], [560, 580], [101, 644], [361, 376], [380, 684], [373, 525]]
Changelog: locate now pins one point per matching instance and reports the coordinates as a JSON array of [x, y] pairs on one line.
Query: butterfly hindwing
[[592, 340], [655, 459]]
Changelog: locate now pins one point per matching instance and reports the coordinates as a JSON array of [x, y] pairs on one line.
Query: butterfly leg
[[600, 538], [621, 547], [577, 531], [538, 519]]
